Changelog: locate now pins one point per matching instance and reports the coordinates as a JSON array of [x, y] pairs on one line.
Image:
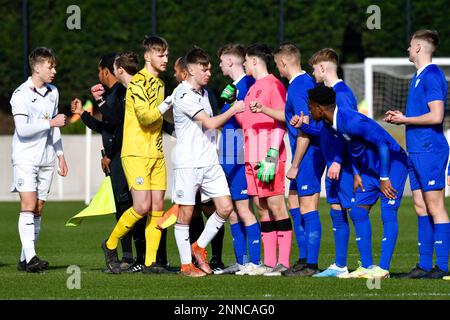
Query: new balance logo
[[334, 229], [244, 192], [431, 182], [391, 202], [358, 239], [255, 242], [305, 187], [419, 244], [384, 239], [438, 242]]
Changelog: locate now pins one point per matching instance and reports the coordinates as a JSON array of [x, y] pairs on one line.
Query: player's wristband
[[384, 178], [100, 101]]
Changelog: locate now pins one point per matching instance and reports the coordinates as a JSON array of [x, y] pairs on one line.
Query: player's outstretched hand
[[238, 106], [387, 189], [97, 91], [63, 169], [395, 117], [334, 170], [58, 121], [296, 121], [357, 183], [256, 107], [76, 106]]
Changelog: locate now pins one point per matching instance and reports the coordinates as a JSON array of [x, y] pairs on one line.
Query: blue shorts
[[427, 170], [397, 174], [341, 191], [237, 181], [310, 172]]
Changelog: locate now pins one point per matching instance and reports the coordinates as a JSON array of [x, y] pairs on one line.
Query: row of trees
[[108, 26]]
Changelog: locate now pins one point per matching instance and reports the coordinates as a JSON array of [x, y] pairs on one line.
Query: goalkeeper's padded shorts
[[145, 173]]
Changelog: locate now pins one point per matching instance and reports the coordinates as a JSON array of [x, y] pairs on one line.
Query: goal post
[[401, 68]]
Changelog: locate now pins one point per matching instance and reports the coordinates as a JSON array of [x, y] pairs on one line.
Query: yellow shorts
[[145, 173]]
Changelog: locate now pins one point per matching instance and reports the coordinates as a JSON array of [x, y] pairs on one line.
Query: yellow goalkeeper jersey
[[142, 135]]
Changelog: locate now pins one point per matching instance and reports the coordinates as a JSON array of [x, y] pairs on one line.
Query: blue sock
[[313, 230], [390, 233], [363, 229], [441, 244], [299, 230], [425, 236], [341, 232], [239, 241], [254, 242]]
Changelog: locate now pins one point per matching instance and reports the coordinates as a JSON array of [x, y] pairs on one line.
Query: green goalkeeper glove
[[266, 168], [229, 94]]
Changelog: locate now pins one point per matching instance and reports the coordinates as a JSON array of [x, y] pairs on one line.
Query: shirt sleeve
[[373, 134], [278, 96], [57, 142], [145, 107], [299, 101], [189, 104], [433, 88], [18, 106]]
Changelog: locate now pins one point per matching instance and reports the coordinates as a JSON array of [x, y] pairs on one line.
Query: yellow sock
[[123, 226], [152, 237]]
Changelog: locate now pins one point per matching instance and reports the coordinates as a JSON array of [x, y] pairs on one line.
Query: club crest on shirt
[[258, 93], [139, 180], [52, 98], [180, 194], [20, 182]]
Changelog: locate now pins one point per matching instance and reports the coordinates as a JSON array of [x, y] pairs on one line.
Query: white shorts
[[211, 182], [31, 178]]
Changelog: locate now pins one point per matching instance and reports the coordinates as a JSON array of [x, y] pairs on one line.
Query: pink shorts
[[255, 187]]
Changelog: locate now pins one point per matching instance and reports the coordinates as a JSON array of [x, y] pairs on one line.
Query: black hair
[[259, 50], [323, 95], [107, 61]]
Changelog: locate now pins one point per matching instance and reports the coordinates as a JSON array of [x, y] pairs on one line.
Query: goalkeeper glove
[[229, 94], [266, 168]]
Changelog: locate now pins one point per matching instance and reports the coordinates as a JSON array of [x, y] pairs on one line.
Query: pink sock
[[284, 247], [269, 239]]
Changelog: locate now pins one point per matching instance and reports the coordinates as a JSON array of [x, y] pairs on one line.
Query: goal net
[[381, 84]]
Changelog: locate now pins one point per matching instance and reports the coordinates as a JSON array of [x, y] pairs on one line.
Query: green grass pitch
[[80, 246]]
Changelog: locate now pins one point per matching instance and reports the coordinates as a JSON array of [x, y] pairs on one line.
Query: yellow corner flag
[[101, 204]]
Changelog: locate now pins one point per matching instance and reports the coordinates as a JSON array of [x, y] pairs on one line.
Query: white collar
[[335, 118], [235, 82], [41, 91], [296, 75], [423, 68], [336, 82]]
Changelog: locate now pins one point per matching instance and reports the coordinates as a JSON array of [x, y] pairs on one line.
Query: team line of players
[[363, 162]]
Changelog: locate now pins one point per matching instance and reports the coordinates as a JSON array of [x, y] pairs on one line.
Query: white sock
[[212, 226], [37, 228], [26, 232], [183, 243]]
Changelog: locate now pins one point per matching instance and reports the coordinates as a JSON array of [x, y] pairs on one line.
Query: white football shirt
[[196, 146], [34, 142]]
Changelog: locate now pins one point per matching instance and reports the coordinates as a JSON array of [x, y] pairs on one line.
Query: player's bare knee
[[225, 211], [141, 208]]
